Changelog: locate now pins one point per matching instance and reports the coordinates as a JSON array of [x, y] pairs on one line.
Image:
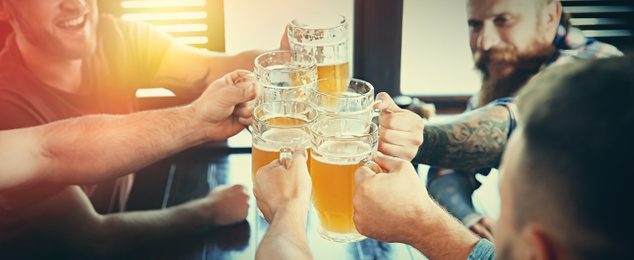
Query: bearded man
[[511, 41]]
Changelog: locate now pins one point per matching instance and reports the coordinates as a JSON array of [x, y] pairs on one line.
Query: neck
[[53, 70]]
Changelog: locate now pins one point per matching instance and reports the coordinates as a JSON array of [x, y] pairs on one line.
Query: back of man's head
[[577, 125]]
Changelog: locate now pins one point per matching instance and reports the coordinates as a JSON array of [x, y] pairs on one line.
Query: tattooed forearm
[[472, 140]]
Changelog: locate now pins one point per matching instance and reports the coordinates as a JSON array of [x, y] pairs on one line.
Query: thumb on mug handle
[[286, 154], [372, 165]]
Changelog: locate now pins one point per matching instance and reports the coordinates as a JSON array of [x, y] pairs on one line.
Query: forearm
[[203, 67], [95, 148], [69, 216], [20, 158], [443, 237], [473, 140], [129, 230], [286, 236]]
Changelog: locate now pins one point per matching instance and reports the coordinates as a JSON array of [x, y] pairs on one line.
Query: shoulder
[[507, 101], [576, 46], [109, 22], [109, 25]]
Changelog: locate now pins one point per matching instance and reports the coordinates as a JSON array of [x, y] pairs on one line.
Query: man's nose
[[73, 4], [489, 37]]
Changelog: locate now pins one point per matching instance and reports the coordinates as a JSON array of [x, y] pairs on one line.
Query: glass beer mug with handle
[[340, 147], [282, 76], [325, 37], [278, 128], [354, 100]]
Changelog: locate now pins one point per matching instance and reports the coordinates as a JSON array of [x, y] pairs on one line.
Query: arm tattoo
[[472, 140]]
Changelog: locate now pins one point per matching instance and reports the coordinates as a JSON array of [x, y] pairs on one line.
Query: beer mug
[[340, 146], [355, 100], [325, 37], [278, 128], [283, 76]]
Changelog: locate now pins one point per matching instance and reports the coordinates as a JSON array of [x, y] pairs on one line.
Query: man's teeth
[[73, 22]]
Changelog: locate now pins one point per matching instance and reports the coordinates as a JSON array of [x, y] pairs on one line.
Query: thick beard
[[525, 65]]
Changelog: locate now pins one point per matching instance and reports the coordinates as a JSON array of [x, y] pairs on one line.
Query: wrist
[[442, 236], [197, 127], [292, 217], [294, 208], [420, 226]]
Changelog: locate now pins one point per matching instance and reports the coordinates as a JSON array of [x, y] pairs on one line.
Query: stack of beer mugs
[[308, 99]]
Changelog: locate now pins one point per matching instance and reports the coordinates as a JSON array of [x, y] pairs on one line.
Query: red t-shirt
[[127, 57]]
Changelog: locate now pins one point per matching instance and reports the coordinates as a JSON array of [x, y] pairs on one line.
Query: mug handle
[[377, 112], [245, 78], [372, 165], [249, 129], [286, 154]]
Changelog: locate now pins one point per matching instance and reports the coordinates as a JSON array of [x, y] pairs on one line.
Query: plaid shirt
[[571, 45]]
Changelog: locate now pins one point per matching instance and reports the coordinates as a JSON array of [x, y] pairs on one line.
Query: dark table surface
[[193, 173]]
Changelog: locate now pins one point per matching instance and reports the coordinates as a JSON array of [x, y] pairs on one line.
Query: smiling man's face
[[509, 41], [64, 28], [502, 30]]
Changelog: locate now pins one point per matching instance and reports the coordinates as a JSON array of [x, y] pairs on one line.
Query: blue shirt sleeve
[[509, 103], [484, 249]]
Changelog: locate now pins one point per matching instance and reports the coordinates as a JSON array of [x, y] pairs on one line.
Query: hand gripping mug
[[340, 147], [278, 128]]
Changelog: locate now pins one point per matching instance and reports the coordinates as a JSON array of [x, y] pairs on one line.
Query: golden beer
[[332, 170], [333, 87], [325, 36], [266, 147], [278, 128]]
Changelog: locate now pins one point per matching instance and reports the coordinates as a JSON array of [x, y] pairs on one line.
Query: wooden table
[[193, 173]]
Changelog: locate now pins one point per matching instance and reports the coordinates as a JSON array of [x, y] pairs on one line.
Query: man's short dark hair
[[577, 123]]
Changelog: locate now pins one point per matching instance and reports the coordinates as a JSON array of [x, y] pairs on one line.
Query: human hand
[[226, 106], [401, 130], [484, 228], [388, 205], [227, 204], [277, 186], [284, 43]]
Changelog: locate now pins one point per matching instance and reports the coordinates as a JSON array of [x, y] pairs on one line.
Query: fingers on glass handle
[[286, 154], [377, 112], [245, 78], [372, 165]]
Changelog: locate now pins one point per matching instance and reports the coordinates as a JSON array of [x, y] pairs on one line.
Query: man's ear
[[552, 15], [540, 245]]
